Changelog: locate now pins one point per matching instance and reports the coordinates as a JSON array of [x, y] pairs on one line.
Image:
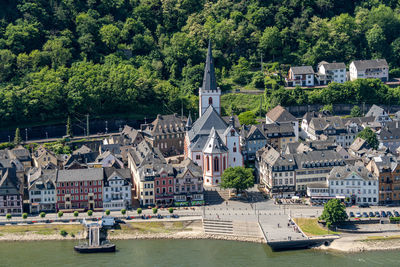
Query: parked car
[[396, 214], [389, 213], [351, 214], [364, 205], [377, 214], [358, 215], [391, 205], [365, 215], [383, 214], [371, 214]]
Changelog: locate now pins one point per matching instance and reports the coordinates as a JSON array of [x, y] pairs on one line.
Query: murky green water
[[183, 253]]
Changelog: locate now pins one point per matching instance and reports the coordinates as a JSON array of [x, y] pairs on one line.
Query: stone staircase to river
[[234, 228]]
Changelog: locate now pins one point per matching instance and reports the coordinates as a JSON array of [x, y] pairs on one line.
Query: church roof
[[214, 144], [210, 119], [209, 81]]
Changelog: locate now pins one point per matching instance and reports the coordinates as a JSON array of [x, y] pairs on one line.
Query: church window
[[197, 157], [208, 163], [234, 149], [216, 164], [210, 101], [224, 163], [233, 133]]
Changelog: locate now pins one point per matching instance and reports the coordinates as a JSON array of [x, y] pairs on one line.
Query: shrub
[[139, 211], [89, 212], [155, 210], [8, 216], [123, 211], [107, 212], [171, 210], [60, 214], [76, 213], [63, 233], [24, 215], [42, 214]]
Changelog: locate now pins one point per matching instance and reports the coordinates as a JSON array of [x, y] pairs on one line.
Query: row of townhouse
[[336, 72], [157, 182], [289, 174], [356, 184], [94, 189]]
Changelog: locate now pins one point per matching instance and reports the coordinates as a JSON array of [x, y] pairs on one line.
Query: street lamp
[[106, 126], [26, 134]]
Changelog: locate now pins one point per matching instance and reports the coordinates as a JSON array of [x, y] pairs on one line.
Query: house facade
[[331, 72], [117, 189], [188, 184], [167, 133], [10, 196], [252, 139], [279, 115], [354, 182], [80, 189], [42, 190], [300, 76], [369, 69]]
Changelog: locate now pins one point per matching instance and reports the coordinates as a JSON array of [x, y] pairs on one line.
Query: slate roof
[[9, 183], [82, 150], [370, 64], [209, 119], [321, 157], [21, 153], [214, 143], [39, 177], [391, 131], [188, 165], [302, 70], [358, 144], [80, 175], [316, 114], [274, 159], [280, 114], [333, 65], [375, 111], [209, 81], [342, 172], [165, 124], [123, 173], [385, 162]]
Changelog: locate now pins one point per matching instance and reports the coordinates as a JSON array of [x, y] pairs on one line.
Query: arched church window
[[224, 163], [208, 163], [210, 100], [216, 164]]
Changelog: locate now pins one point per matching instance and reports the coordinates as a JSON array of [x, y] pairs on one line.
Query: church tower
[[209, 93]]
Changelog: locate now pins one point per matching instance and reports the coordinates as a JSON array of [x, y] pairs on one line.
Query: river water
[[203, 253]]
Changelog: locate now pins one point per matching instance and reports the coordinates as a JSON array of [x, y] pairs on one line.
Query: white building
[[354, 182], [42, 190], [300, 76], [211, 142], [117, 189], [331, 72], [369, 69]]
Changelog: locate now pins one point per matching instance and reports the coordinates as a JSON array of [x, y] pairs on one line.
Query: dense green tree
[[238, 178], [370, 136], [270, 42], [7, 64], [356, 112], [334, 212], [17, 137], [247, 118], [69, 127], [110, 35]]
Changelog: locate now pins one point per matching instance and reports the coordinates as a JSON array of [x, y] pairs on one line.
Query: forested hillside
[[60, 57]]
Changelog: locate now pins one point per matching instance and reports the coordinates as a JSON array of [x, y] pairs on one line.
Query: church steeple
[[209, 93], [209, 82]]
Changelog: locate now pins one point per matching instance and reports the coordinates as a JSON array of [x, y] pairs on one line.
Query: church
[[210, 141]]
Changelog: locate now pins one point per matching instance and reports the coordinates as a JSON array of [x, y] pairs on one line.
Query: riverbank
[[364, 242], [188, 229]]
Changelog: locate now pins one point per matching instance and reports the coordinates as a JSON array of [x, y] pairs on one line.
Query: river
[[205, 253]]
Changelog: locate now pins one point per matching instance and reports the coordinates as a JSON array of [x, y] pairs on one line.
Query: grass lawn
[[41, 229], [311, 227], [381, 238]]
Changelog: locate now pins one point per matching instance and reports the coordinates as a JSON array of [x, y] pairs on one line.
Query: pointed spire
[[209, 82], [189, 122]]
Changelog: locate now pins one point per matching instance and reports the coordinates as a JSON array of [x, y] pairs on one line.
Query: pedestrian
[[226, 202]]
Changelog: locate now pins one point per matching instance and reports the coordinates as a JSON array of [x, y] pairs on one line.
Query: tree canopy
[[147, 56], [238, 178], [370, 136], [334, 212]]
